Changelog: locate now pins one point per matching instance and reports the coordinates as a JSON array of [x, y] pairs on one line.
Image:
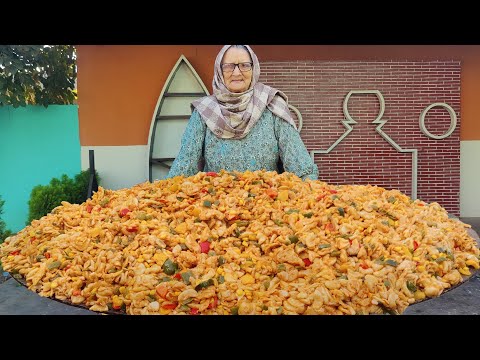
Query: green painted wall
[[36, 144]]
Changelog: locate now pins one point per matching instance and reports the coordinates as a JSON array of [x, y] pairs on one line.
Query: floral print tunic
[[268, 141]]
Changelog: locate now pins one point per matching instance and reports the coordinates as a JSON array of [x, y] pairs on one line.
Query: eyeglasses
[[243, 67]]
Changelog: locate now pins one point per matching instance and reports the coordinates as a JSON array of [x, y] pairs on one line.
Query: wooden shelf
[[176, 94], [173, 117]]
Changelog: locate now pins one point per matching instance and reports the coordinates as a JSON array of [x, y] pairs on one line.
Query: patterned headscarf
[[232, 115]]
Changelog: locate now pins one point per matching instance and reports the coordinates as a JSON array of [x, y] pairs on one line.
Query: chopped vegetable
[[169, 267], [204, 284], [204, 247]]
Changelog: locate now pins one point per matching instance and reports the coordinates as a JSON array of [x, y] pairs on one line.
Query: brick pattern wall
[[318, 89]]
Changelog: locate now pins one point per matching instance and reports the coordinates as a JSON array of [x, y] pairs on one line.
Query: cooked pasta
[[243, 243]]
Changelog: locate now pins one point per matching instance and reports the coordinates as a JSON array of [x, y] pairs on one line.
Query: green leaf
[[37, 74]]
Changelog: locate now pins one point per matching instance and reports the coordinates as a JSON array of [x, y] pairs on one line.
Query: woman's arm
[[293, 152], [191, 149]]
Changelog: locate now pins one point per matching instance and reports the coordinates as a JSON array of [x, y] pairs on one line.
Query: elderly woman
[[244, 125]]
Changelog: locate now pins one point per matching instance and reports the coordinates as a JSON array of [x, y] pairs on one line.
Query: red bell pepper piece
[[307, 262], [415, 245], [16, 252], [193, 311], [124, 212], [204, 247], [132, 228], [213, 304], [211, 173], [89, 208]]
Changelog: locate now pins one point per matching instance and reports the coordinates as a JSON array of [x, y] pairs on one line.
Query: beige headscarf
[[232, 115]]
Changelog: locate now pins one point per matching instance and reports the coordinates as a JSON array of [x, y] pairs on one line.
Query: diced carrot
[[329, 226], [161, 290], [272, 193], [169, 306]]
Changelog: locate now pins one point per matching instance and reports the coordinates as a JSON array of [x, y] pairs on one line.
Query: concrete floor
[[462, 300]]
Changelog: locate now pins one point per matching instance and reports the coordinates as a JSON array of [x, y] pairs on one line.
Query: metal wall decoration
[[349, 121], [453, 121]]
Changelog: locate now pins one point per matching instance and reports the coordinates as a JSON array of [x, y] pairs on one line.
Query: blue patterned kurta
[[258, 150]]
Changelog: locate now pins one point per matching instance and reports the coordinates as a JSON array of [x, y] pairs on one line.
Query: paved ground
[[462, 300]]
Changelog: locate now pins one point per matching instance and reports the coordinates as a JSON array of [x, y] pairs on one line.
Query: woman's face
[[237, 81]]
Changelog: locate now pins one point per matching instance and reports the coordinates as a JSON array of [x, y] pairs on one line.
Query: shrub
[[44, 198], [4, 233]]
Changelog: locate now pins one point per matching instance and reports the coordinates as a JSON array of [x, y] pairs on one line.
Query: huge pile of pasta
[[243, 243]]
